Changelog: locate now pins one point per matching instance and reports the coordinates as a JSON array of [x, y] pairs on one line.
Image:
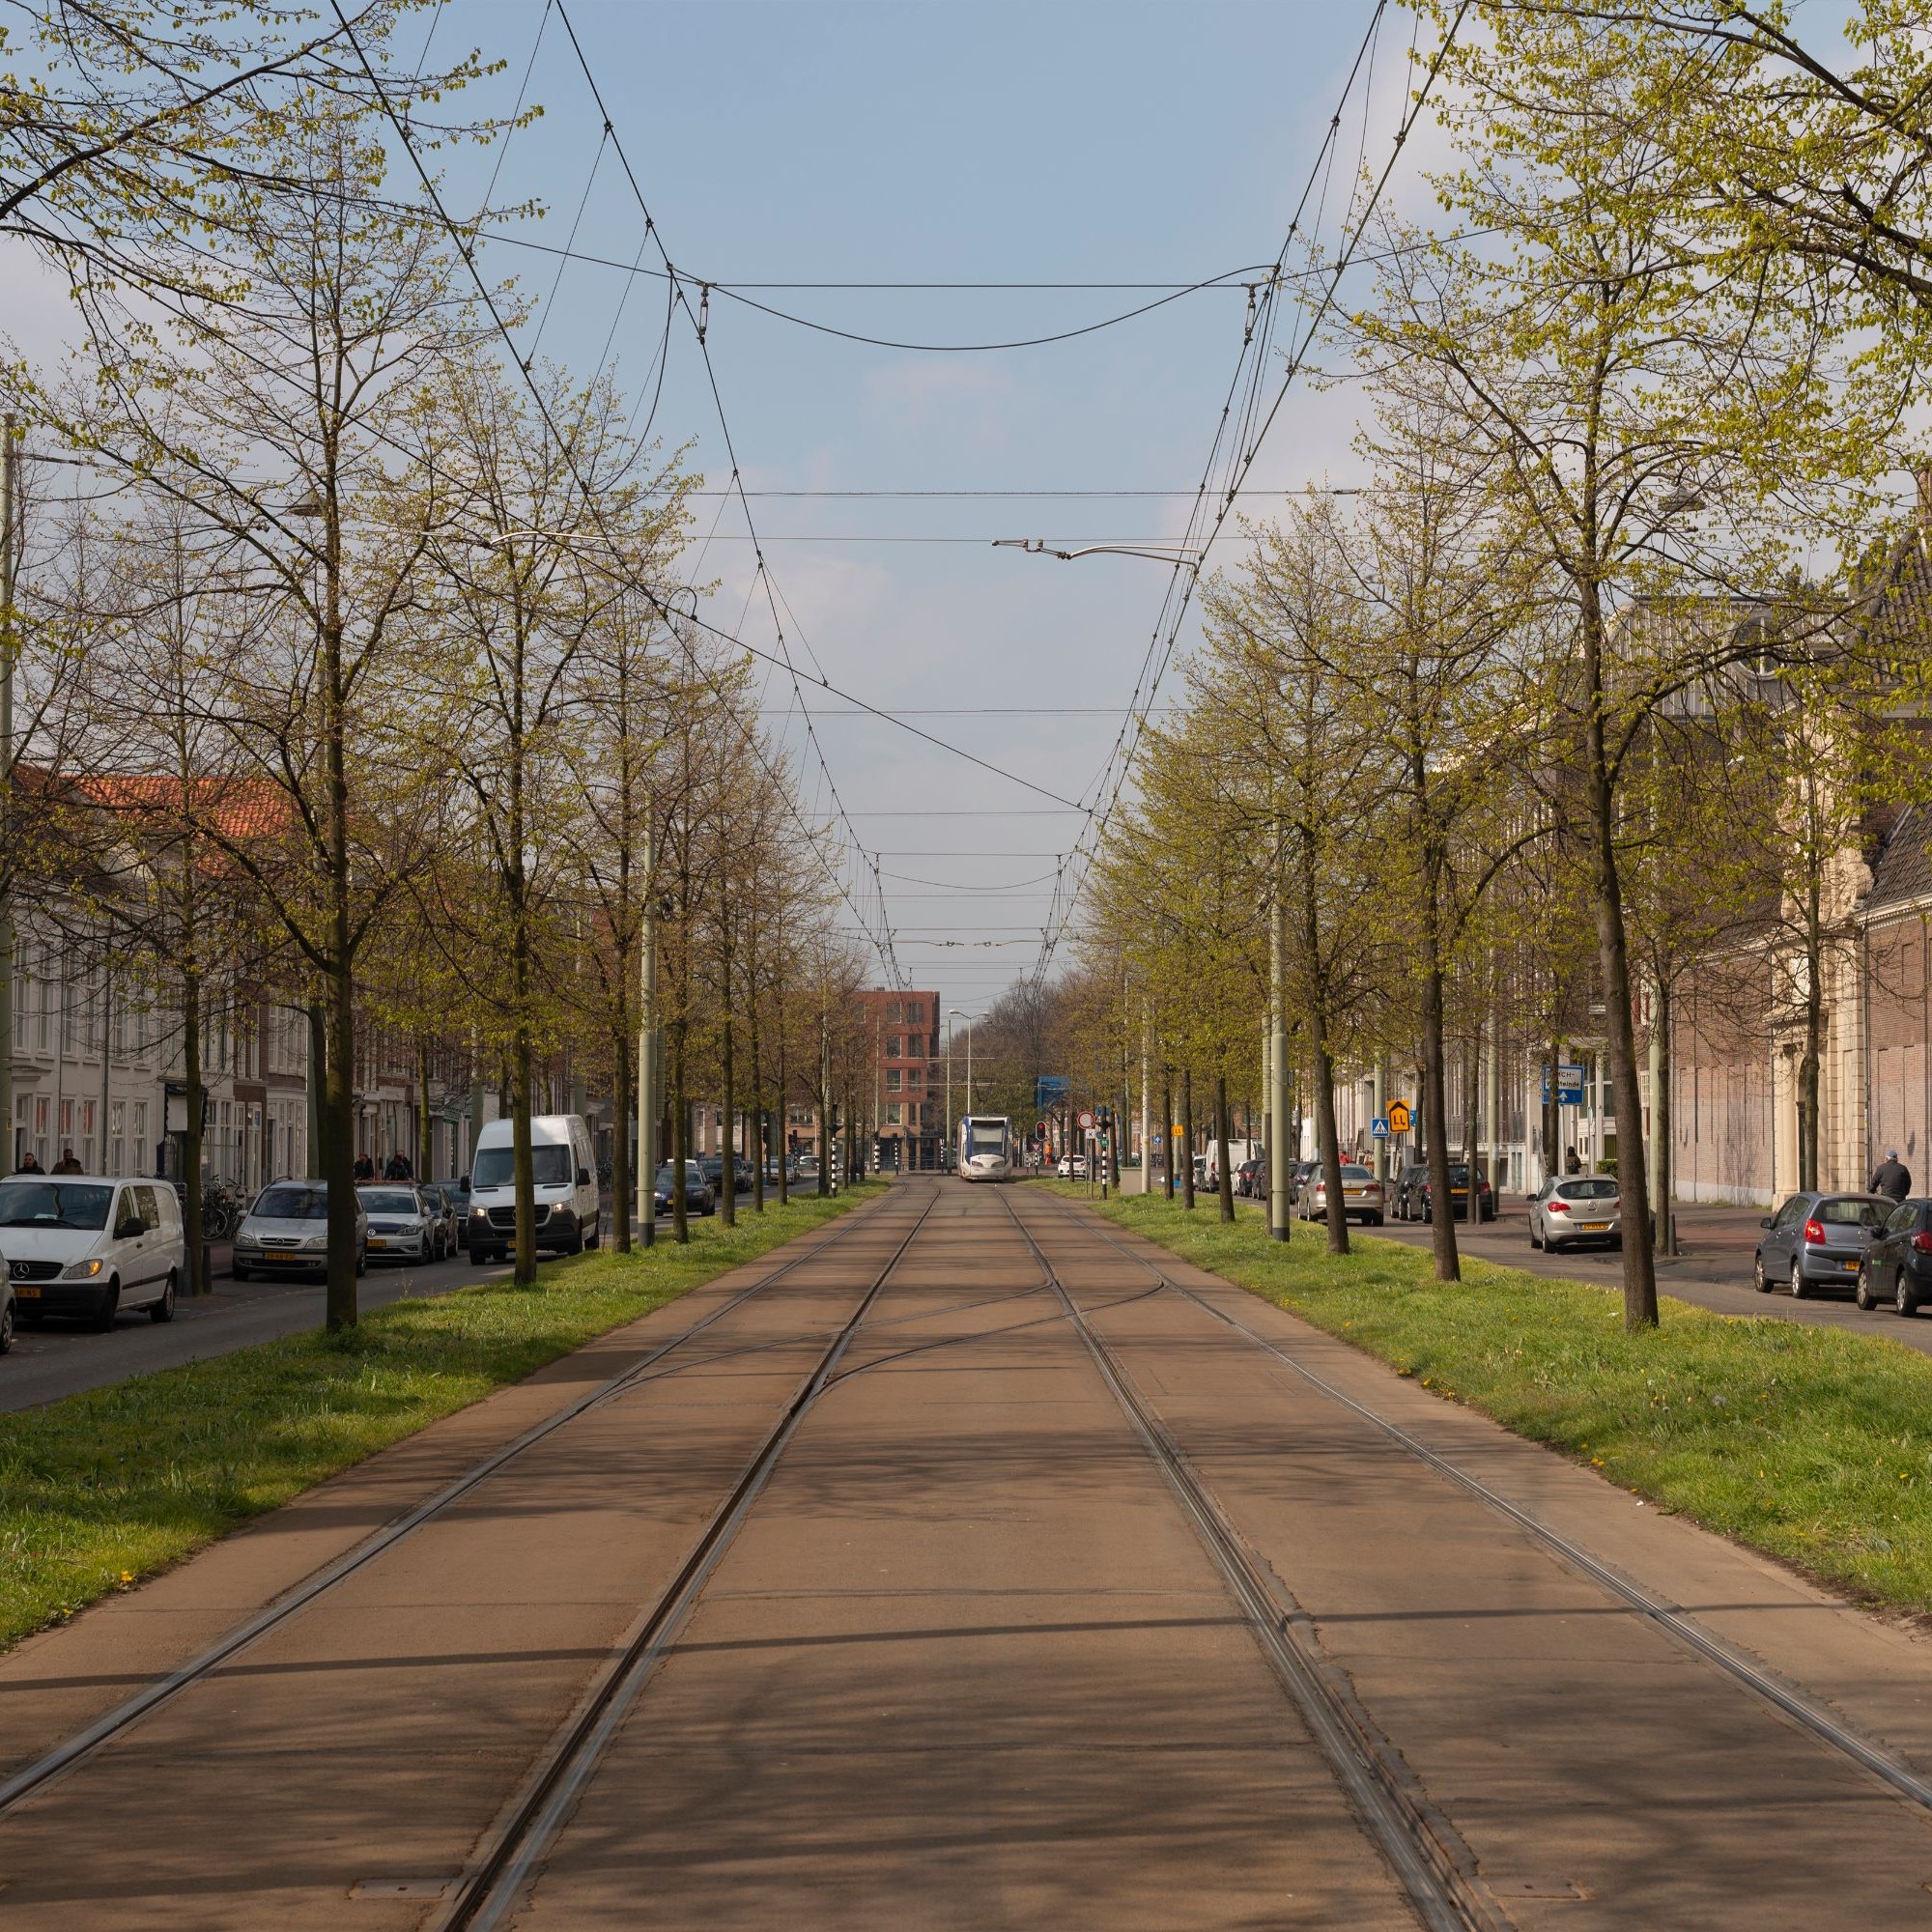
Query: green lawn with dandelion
[[1813, 1445], [104, 1487]]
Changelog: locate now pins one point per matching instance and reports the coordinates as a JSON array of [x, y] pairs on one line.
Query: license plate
[[28, 1291], [378, 1241], [278, 1254], [1851, 1267], [1596, 1227]]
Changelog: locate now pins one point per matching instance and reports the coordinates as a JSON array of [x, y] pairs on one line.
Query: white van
[[89, 1245], [563, 1170]]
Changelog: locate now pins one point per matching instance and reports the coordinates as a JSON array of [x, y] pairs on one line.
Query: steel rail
[[1804, 1712], [1446, 1897], [73, 1751], [492, 1881]]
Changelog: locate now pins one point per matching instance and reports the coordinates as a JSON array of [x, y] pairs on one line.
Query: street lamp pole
[[647, 1057], [944, 1157], [1278, 1071]]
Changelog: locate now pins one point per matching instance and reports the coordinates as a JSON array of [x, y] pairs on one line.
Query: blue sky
[[805, 142]]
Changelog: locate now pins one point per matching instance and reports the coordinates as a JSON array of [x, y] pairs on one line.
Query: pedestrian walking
[[1572, 1164], [67, 1163], [1891, 1177]]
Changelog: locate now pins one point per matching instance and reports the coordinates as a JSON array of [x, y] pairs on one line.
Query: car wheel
[[1800, 1287], [5, 1325], [163, 1310], [596, 1236], [103, 1318], [1758, 1280], [237, 1272], [1905, 1298], [477, 1257], [361, 1263], [1535, 1240], [1862, 1293], [1374, 1220]]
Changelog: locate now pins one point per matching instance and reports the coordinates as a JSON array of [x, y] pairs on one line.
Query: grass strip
[[104, 1487], [1812, 1444]]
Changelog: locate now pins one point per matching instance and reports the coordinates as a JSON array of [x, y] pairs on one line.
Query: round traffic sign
[[1086, 1121]]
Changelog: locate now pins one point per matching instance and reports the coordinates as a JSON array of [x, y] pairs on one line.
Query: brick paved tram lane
[[967, 1661], [967, 1666]]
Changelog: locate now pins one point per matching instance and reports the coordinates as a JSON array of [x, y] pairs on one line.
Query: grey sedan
[[1816, 1238]]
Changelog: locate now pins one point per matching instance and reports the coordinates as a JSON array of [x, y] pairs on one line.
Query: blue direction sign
[[1569, 1084]]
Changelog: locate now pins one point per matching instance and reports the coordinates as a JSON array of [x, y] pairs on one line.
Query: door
[[1887, 1248], [1780, 1242], [128, 1250]]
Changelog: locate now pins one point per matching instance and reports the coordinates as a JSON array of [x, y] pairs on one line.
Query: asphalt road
[[969, 1565], [64, 1357]]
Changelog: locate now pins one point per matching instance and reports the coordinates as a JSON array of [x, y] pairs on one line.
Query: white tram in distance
[[985, 1146]]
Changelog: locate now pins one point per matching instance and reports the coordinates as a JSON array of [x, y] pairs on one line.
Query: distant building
[[908, 1084]]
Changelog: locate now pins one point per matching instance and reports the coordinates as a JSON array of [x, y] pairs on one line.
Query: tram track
[[1422, 1850], [1810, 1715], [517, 1843], [73, 1751]]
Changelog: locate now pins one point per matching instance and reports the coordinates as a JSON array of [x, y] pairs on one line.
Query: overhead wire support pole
[[1279, 1091]]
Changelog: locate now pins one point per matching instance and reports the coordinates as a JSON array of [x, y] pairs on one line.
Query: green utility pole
[[1279, 1167], [647, 1062]]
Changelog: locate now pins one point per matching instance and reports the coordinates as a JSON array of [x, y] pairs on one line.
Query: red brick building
[[908, 1089]]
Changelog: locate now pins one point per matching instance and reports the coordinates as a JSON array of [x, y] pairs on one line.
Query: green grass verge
[[1812, 1444], [104, 1487]]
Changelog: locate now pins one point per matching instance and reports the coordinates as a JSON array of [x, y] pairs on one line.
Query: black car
[[699, 1197], [1251, 1180], [1898, 1264], [1406, 1191], [1816, 1238], [1459, 1194]]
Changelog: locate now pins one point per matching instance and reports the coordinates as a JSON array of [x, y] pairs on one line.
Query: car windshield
[[54, 1203], [495, 1166], [1851, 1213], [389, 1200], [1596, 1188], [292, 1204]]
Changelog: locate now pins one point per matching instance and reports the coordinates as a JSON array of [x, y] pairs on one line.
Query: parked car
[[1300, 1179], [1898, 1264], [286, 1232], [568, 1214], [1406, 1191], [1251, 1180], [1072, 1167], [1571, 1210], [6, 1306], [699, 1197], [403, 1227], [1361, 1196], [458, 1193], [92, 1245], [441, 1199], [1459, 1194], [1816, 1238]]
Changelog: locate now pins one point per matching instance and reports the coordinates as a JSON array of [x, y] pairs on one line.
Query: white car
[[91, 1245], [1072, 1167]]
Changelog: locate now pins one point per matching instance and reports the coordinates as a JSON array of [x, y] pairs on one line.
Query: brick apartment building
[[908, 1089]]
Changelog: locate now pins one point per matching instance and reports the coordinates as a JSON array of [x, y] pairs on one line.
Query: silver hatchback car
[[1570, 1209]]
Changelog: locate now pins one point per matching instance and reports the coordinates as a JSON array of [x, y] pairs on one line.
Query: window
[[894, 1013], [892, 1113], [915, 1047], [914, 1079], [117, 1133], [150, 1213], [915, 1012], [891, 1080], [141, 1135], [894, 1047]]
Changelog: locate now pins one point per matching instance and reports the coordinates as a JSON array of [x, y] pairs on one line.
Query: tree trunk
[[1613, 953], [1225, 1179], [754, 1115], [339, 1142], [680, 1141], [1166, 1133], [1436, 1132], [622, 1079], [1660, 1126], [425, 1132], [728, 1174], [191, 1223], [522, 1168], [1812, 1061], [1187, 1132]]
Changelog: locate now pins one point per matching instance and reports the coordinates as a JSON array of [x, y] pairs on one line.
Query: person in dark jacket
[[364, 1167], [1891, 1177]]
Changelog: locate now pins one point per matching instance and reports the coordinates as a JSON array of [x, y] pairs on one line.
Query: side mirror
[[131, 1229], [584, 1177], [1765, 1222], [464, 1184]]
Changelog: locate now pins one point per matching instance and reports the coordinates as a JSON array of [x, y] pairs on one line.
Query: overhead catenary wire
[[1182, 584]]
